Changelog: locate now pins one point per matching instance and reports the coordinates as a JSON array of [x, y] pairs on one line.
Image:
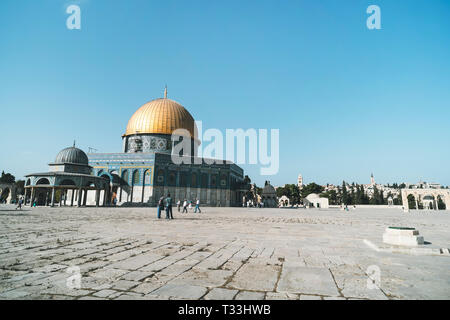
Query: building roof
[[72, 155], [161, 116], [268, 190], [62, 173]]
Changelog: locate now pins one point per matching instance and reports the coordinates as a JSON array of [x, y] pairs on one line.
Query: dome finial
[[165, 92], [74, 143]]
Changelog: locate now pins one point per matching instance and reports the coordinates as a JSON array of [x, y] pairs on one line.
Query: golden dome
[[161, 116]]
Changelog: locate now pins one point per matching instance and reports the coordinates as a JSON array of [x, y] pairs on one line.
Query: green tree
[[331, 195], [20, 187], [7, 178], [345, 196], [311, 188], [291, 191]]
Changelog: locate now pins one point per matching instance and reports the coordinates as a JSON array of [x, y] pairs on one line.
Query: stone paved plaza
[[222, 253]]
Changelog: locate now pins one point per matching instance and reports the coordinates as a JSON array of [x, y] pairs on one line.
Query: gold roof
[[161, 116]]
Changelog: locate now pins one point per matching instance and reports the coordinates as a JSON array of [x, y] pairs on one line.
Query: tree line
[[345, 194]]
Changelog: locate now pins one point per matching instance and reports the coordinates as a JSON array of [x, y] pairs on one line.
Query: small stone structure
[[401, 236], [283, 201], [313, 200], [269, 196]]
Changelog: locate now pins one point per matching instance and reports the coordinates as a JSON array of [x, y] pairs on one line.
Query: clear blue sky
[[348, 101]]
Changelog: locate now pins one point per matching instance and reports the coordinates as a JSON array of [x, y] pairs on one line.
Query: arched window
[[147, 177], [43, 181], [136, 177], [223, 180], [125, 177], [213, 181]]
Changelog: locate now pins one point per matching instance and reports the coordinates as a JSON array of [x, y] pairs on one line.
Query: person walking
[[185, 204], [197, 206], [169, 214], [160, 206], [179, 205], [19, 203]]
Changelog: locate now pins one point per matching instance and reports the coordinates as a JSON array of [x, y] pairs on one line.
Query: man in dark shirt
[[169, 207], [160, 206]]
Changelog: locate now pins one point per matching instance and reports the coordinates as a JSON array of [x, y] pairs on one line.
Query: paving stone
[[108, 273], [129, 297], [204, 278], [137, 275], [309, 297], [257, 277], [134, 263], [334, 298], [307, 280], [104, 293], [124, 284], [221, 294], [147, 287], [180, 291], [249, 295], [353, 283], [281, 296], [91, 298]]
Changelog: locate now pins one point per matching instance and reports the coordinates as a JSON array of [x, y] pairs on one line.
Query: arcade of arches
[[427, 199]]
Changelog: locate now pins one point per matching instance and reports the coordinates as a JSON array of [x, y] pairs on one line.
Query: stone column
[[31, 196], [73, 194], [132, 191], [85, 197], [53, 197], [79, 194], [104, 197], [97, 197], [405, 201]]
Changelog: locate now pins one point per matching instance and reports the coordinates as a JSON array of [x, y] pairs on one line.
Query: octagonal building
[[144, 170]]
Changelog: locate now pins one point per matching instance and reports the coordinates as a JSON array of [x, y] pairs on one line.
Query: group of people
[[165, 203], [251, 204]]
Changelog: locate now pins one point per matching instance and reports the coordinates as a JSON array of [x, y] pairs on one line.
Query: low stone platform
[[401, 236], [222, 253]]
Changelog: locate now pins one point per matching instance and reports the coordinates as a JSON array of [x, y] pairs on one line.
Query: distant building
[[315, 201], [300, 181]]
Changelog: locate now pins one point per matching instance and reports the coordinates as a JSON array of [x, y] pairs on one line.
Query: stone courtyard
[[222, 253]]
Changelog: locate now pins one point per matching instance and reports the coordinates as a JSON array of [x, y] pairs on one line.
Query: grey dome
[[72, 155], [269, 189]]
